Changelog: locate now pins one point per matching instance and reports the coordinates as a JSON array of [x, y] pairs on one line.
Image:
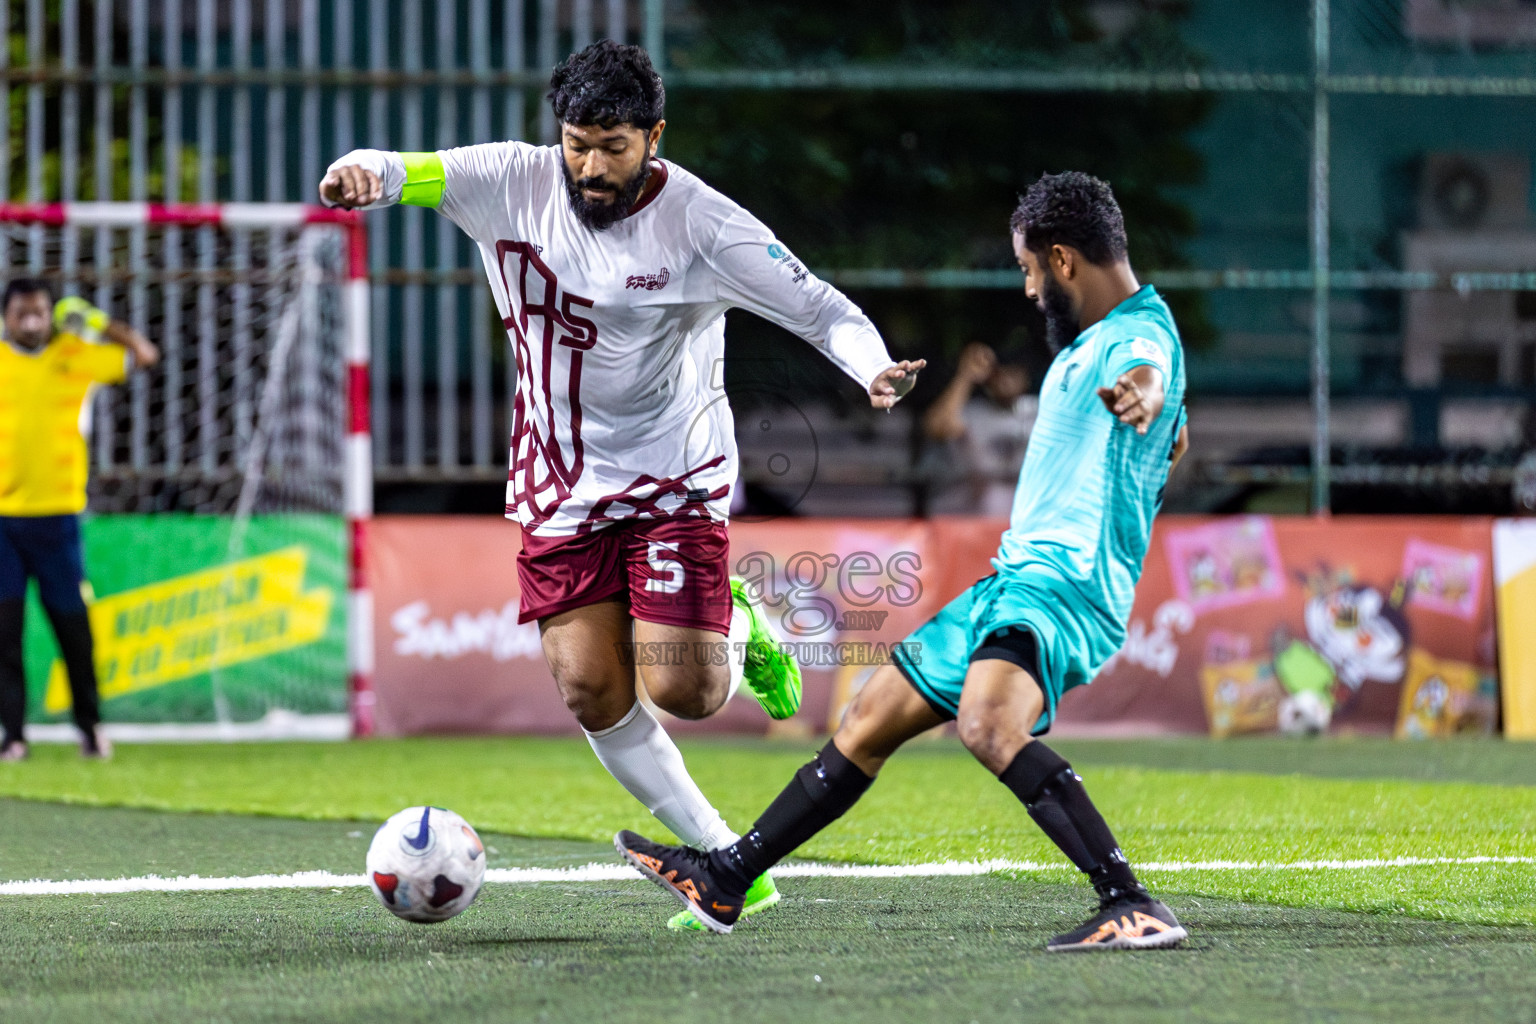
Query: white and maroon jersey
[[620, 334]]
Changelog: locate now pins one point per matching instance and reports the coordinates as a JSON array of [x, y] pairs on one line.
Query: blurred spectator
[[53, 356], [977, 440]]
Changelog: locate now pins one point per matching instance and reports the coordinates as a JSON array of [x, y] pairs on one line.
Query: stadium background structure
[[357, 473], [204, 71]]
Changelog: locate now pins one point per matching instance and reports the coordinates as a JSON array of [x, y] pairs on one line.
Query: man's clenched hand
[[351, 186]]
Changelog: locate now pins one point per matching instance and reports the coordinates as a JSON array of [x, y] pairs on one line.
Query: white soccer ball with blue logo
[[426, 864]]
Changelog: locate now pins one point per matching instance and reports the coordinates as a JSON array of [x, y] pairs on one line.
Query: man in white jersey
[[613, 271]]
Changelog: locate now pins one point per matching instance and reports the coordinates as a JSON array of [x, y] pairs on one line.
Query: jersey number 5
[[669, 571]]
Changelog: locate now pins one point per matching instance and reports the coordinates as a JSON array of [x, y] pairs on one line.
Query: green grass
[[932, 802], [1410, 944], [927, 950]]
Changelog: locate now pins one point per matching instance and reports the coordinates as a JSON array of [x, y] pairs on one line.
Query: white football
[[426, 864], [1305, 714]]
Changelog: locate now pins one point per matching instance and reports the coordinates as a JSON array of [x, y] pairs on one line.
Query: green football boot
[[761, 896], [770, 671]]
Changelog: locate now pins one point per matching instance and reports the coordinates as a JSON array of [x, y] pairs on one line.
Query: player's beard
[[1060, 318], [32, 341], [601, 216]]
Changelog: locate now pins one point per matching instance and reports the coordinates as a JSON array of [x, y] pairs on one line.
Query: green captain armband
[[423, 179]]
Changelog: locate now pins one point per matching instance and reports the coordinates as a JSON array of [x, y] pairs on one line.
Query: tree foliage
[[857, 178]]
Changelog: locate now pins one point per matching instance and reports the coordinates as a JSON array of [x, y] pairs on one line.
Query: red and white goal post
[[262, 313]]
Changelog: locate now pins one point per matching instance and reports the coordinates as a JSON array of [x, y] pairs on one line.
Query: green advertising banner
[[200, 619]]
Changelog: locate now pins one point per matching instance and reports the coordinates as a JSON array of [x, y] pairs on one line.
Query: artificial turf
[[848, 950], [1406, 944]]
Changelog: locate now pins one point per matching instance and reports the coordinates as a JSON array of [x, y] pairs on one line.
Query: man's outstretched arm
[[756, 273], [1137, 396], [145, 352], [468, 185]]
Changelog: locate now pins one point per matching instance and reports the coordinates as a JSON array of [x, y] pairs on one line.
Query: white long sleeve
[[477, 180], [758, 273]]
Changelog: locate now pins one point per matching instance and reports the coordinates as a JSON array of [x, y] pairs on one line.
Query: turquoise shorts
[[937, 655]]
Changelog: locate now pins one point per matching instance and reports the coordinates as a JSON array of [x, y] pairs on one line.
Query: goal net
[[223, 489]]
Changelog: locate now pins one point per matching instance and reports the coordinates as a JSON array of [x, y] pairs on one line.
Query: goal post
[[258, 413]]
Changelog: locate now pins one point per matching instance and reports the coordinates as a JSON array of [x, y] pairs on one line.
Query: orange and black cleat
[[1127, 919], [689, 875]]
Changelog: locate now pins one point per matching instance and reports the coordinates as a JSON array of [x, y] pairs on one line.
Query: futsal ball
[[1305, 714], [426, 864]]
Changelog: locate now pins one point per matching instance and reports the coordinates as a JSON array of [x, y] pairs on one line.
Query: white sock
[[736, 647], [639, 753]]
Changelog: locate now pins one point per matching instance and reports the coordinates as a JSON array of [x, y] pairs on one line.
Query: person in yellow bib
[[53, 357]]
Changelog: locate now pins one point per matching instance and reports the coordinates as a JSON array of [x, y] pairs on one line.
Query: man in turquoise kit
[[997, 658]]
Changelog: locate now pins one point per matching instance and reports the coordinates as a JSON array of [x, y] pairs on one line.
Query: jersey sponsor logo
[[1066, 375], [1145, 348], [649, 282], [786, 259]]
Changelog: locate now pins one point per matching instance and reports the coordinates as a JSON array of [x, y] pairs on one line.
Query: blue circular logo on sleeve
[[776, 251]]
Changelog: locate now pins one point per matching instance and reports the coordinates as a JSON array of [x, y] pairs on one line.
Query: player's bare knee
[[689, 692], [973, 729], [596, 702], [989, 736]]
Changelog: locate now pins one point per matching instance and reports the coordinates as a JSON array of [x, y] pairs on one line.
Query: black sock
[[1057, 801], [13, 680], [818, 795], [73, 631]]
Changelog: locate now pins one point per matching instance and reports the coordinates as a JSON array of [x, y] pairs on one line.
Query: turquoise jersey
[[1081, 523], [1091, 485]]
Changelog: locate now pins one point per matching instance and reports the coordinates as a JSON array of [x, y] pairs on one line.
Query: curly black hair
[[1072, 208], [608, 84]]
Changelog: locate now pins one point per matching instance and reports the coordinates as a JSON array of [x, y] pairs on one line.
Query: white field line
[[620, 873]]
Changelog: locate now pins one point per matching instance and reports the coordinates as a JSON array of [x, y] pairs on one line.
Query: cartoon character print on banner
[[1297, 625], [1226, 563], [1443, 579]]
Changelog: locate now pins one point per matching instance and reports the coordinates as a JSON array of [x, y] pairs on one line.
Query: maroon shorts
[[673, 572]]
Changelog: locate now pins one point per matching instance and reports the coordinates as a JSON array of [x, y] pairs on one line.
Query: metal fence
[[198, 100]]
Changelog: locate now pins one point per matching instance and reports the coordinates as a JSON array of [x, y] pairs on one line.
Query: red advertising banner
[[451, 657], [449, 653], [1240, 625]]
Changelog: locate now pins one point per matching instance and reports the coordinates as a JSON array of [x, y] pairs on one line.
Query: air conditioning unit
[[1474, 191], [1473, 215], [1489, 23]]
